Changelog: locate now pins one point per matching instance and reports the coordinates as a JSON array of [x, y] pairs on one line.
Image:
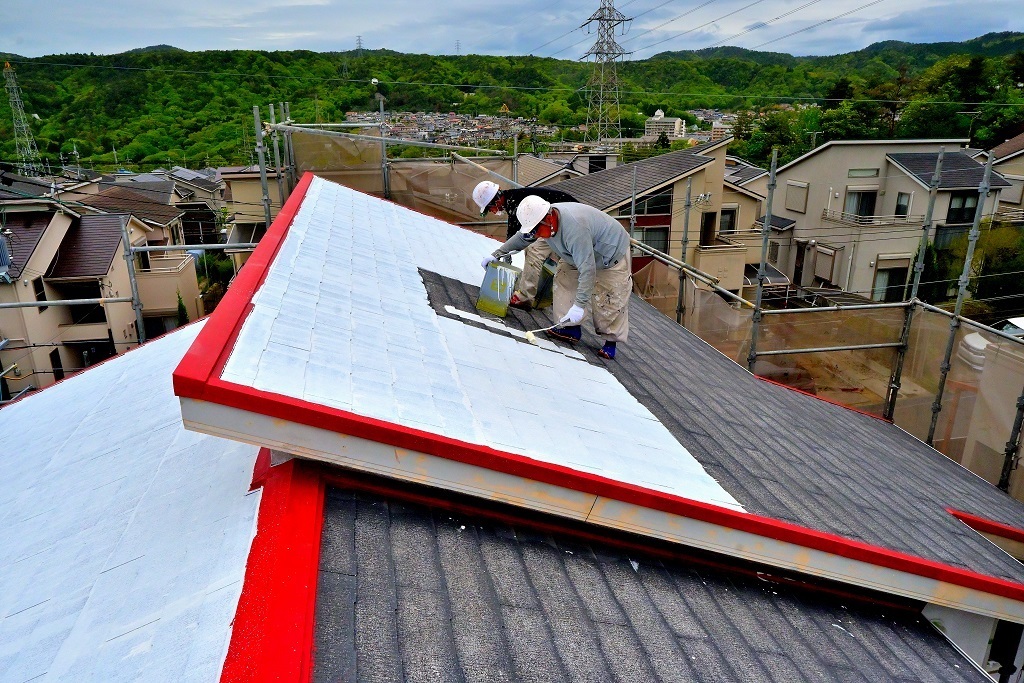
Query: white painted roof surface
[[342, 320], [123, 537]]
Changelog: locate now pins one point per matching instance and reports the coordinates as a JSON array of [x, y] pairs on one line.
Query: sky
[[539, 27]]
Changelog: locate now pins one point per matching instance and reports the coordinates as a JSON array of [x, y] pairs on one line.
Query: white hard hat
[[484, 193], [531, 211]]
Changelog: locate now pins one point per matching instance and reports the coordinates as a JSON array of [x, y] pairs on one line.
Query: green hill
[[159, 105]]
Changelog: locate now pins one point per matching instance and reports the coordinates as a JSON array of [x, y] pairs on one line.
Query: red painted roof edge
[[272, 632], [210, 349], [197, 376], [988, 526], [344, 422]]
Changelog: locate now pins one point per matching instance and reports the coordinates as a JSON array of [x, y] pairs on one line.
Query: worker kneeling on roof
[[491, 198], [594, 270]]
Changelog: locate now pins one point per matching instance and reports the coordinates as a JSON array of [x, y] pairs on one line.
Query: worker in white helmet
[[491, 198], [594, 270]]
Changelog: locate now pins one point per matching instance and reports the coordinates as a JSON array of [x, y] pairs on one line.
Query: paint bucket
[[496, 290]]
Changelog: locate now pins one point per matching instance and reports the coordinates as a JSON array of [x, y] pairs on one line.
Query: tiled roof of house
[[778, 222], [411, 593], [18, 186], [138, 202], [27, 228], [364, 325], [155, 188], [605, 189], [196, 178], [742, 172], [959, 171], [1011, 147], [532, 169], [125, 537], [89, 247]]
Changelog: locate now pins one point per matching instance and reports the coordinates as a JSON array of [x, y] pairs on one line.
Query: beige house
[[57, 253], [853, 211], [1009, 162], [720, 235]]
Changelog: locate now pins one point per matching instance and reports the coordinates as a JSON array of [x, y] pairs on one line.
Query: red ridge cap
[[988, 526], [209, 351]]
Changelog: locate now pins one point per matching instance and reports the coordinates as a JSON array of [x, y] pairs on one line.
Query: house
[[1009, 162], [538, 171], [719, 237], [433, 497], [858, 207], [672, 126], [62, 252]]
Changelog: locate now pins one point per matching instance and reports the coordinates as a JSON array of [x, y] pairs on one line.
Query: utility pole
[[687, 205], [24, 143], [814, 137], [603, 118], [385, 181]]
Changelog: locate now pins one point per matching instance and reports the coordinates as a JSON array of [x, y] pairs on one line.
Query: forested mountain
[[161, 105]]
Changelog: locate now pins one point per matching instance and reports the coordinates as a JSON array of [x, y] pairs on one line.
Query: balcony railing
[[854, 219], [167, 263], [1010, 215]]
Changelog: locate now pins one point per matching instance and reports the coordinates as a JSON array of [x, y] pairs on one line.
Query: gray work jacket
[[587, 239]]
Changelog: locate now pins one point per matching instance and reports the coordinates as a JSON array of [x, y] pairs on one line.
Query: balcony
[[84, 332], [167, 275], [844, 218], [725, 259], [1010, 215]]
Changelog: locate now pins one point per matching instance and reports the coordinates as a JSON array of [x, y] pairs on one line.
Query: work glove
[[573, 317], [487, 259]]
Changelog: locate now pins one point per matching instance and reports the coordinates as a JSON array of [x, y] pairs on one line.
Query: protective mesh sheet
[[438, 187]]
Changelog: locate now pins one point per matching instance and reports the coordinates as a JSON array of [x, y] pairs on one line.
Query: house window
[[862, 173], [861, 202], [659, 203], [596, 163], [962, 206], [773, 252], [796, 196], [903, 204], [58, 367], [40, 291], [656, 238], [891, 278], [728, 221]]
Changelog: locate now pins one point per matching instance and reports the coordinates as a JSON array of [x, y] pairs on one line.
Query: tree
[[663, 142], [744, 125], [839, 92], [182, 311]]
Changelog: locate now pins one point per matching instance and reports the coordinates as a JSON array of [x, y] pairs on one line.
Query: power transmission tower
[[359, 46], [603, 118], [458, 48], [24, 143]]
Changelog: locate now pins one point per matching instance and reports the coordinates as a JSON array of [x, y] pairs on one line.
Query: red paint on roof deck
[[272, 634], [988, 526], [198, 377]]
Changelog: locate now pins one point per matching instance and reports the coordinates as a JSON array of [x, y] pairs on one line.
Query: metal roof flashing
[[398, 391]]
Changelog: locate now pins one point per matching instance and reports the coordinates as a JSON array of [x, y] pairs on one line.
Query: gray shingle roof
[[778, 222], [868, 481], [89, 247], [605, 189], [407, 593], [959, 171], [130, 200]]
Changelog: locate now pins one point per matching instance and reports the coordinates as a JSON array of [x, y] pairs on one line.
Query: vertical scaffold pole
[[681, 296], [762, 269], [262, 157]]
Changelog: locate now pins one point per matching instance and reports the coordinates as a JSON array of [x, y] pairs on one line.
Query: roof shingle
[[959, 171], [89, 247], [27, 229], [138, 203]]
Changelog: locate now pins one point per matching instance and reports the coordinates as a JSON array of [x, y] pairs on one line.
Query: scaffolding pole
[[286, 116], [762, 268], [277, 158], [896, 378], [290, 128], [493, 174], [196, 247], [1012, 447], [261, 155], [68, 302], [385, 180], [680, 297], [954, 322], [710, 280], [129, 258]]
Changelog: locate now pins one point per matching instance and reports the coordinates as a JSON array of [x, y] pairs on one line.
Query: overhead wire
[[820, 23], [762, 24]]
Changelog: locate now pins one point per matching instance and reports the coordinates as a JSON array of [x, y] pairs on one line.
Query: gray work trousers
[[609, 302]]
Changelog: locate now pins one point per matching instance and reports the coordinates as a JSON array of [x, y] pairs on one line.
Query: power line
[[820, 23], [762, 24], [666, 23], [695, 28]]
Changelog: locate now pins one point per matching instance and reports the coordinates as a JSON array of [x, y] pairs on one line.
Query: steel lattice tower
[[603, 118], [24, 143]]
